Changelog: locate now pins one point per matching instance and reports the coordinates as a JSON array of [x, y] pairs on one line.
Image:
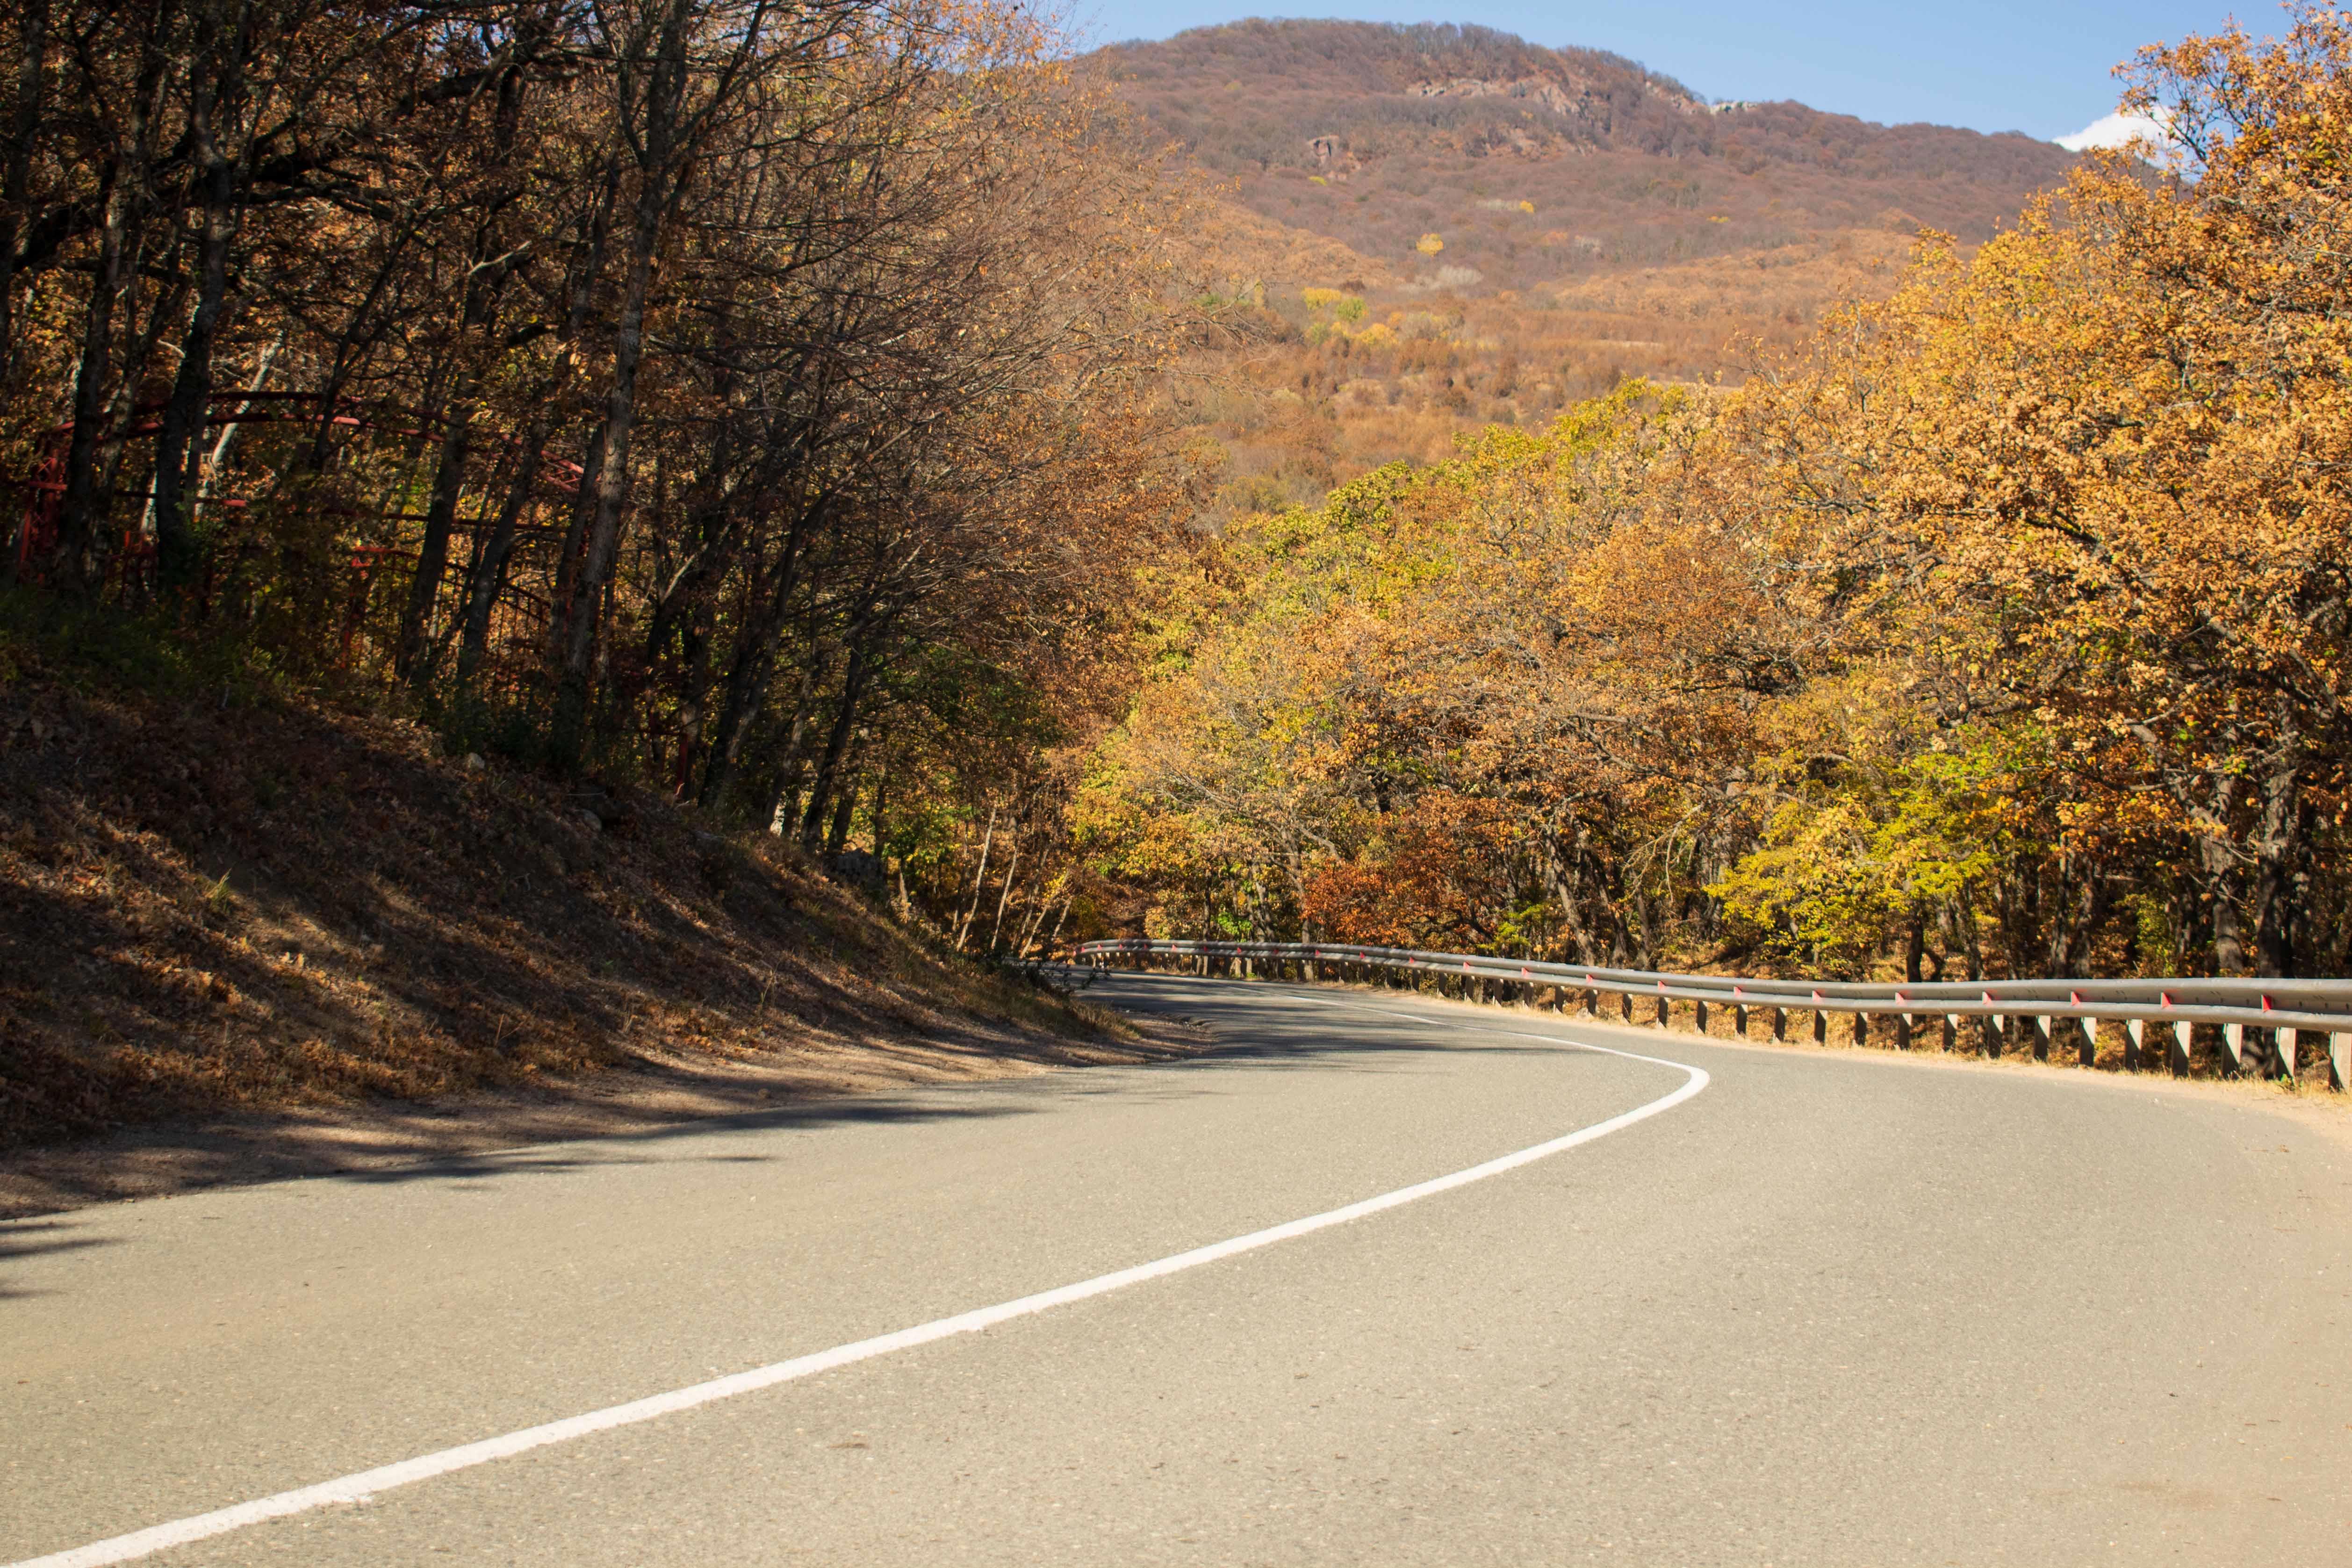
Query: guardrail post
[[2252, 1041]]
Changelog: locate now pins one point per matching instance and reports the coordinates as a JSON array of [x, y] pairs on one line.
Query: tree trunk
[[2276, 850], [1035, 923], [658, 176], [219, 85], [853, 687], [837, 837], [227, 437], [603, 529], [351, 345], [433, 551], [560, 606], [786, 816], [1004, 897], [77, 559], [751, 669], [489, 568], [1062, 919], [2220, 890], [978, 880]]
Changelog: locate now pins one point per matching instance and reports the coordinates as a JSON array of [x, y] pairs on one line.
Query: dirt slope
[[242, 917]]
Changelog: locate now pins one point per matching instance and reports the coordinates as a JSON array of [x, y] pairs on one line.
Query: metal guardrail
[[2245, 1011]]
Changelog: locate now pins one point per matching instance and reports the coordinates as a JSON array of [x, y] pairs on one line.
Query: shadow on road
[[33, 1238], [1257, 1024]]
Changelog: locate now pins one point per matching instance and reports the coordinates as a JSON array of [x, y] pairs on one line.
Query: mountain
[[1530, 163], [1417, 230]]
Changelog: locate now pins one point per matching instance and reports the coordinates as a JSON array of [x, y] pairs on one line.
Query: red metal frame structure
[[133, 559]]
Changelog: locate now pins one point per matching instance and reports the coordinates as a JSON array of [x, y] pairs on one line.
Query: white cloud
[[2132, 130]]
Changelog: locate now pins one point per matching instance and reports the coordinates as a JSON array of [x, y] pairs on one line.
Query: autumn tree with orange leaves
[[2002, 632]]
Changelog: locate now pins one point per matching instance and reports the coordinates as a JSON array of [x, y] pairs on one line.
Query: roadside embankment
[[248, 940]]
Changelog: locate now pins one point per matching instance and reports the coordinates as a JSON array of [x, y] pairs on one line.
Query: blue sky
[[2041, 67]]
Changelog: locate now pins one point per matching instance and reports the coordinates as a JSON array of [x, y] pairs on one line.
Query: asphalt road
[[1827, 1310]]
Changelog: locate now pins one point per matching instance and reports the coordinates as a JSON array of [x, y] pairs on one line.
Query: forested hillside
[[1532, 164], [1417, 231], [2001, 629]]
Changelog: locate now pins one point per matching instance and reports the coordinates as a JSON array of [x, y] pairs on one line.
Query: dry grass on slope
[[1230, 242], [1754, 290], [214, 911]]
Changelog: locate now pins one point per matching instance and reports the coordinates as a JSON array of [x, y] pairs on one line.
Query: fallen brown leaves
[[212, 909]]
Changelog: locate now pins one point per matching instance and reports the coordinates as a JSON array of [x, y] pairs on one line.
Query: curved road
[[1784, 1308]]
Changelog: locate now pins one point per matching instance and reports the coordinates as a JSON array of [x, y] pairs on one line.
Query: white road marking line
[[362, 1485]]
